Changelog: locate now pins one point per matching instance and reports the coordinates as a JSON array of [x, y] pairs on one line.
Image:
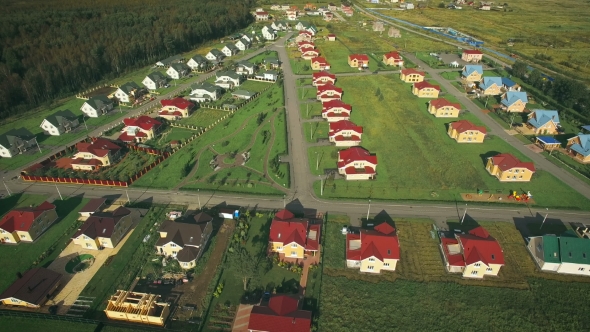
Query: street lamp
[[5, 186], [368, 210], [546, 214], [199, 198]]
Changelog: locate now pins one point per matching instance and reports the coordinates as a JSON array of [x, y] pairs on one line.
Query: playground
[[499, 196]]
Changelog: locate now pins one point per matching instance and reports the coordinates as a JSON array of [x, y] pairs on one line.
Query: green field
[[48, 246], [253, 86], [203, 117], [37, 324], [171, 134], [417, 160], [316, 130], [309, 110]]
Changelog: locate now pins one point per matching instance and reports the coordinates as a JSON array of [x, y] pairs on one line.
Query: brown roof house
[[94, 205], [26, 224], [185, 241], [32, 289], [104, 229]]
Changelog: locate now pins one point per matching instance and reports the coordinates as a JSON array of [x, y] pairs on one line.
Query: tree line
[[55, 48]]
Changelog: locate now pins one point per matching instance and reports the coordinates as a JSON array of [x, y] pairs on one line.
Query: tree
[[441, 5], [519, 69], [245, 265]]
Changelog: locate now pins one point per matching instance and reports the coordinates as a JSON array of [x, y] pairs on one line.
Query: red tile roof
[[338, 126], [305, 50], [82, 161], [288, 231], [365, 170], [284, 215], [328, 87], [425, 84], [328, 105], [336, 115], [321, 74], [479, 246], [359, 57], [506, 161], [394, 55], [350, 155], [178, 113], [128, 138], [281, 315], [384, 228], [305, 32], [465, 125], [320, 60], [381, 243], [442, 102], [261, 13], [313, 243], [177, 102], [305, 44], [332, 35], [453, 260], [21, 219], [144, 122], [352, 254], [412, 71], [100, 147], [329, 97], [472, 52]]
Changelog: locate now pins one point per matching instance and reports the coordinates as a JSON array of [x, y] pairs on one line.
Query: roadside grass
[[303, 81], [204, 166], [253, 86], [304, 93], [309, 110], [259, 149], [316, 130], [260, 57], [301, 66], [203, 117], [279, 148], [581, 171], [417, 164], [131, 163], [39, 324], [430, 60], [48, 246], [20, 200], [21, 160], [451, 75]]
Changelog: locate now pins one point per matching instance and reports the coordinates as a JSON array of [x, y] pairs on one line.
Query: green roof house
[[97, 106], [16, 141], [567, 254]]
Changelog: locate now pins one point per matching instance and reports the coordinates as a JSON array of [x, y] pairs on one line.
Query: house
[[304, 36], [514, 101], [547, 143], [272, 63], [294, 238], [198, 62], [97, 106], [136, 307], [491, 86], [261, 16], [322, 78], [175, 109], [269, 75], [155, 80], [185, 241], [345, 133], [32, 289], [348, 12], [319, 63], [205, 91], [332, 7], [305, 44], [103, 229], [291, 14], [412, 76], [472, 73], [328, 92], [507, 168], [230, 50], [393, 59], [280, 25], [59, 123], [309, 6], [474, 255], [168, 61], [579, 147], [356, 163], [93, 206], [509, 85], [543, 122], [407, 6], [309, 53], [328, 16], [358, 60], [306, 26], [269, 33], [471, 55], [425, 90], [178, 70], [464, 131], [314, 13], [16, 141], [331, 37], [336, 110], [140, 129], [99, 152], [243, 44], [394, 33], [227, 79], [373, 250], [128, 92], [442, 108], [215, 55], [242, 94], [26, 224], [245, 68], [282, 314], [565, 254], [378, 26]]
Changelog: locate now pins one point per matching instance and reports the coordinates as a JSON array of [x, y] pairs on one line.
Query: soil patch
[[493, 197]]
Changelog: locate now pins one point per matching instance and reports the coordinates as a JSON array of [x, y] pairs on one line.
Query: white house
[[197, 62], [243, 44], [566, 254], [59, 122], [127, 92], [245, 68], [269, 33], [215, 55], [227, 79], [154, 81], [97, 106], [178, 70], [16, 141], [230, 49], [271, 75], [202, 92]]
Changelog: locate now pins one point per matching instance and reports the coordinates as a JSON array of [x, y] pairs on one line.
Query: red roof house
[[465, 131], [309, 53], [27, 223], [345, 133], [286, 231], [412, 75], [507, 167], [323, 77], [173, 109], [305, 44], [97, 153], [282, 314], [358, 60], [331, 37], [328, 92], [139, 129], [336, 110], [373, 250], [472, 55], [393, 59], [261, 16], [356, 163], [319, 63], [425, 90]]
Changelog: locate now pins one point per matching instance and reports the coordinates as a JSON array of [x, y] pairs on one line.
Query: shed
[[548, 142]]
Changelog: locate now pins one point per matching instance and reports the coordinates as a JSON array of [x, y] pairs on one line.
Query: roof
[[574, 250], [425, 84], [179, 66], [321, 74], [338, 126], [470, 69], [182, 233], [205, 86], [506, 161], [57, 118], [188, 254], [171, 59], [102, 224], [229, 74], [539, 118], [548, 140], [284, 215], [308, 50], [410, 71], [281, 315], [246, 63], [7, 139], [93, 205], [328, 87], [479, 246], [583, 147], [512, 97], [271, 60], [508, 82], [34, 286], [242, 93], [462, 126], [381, 243], [328, 105], [202, 217], [320, 60], [156, 76], [289, 231], [394, 55], [551, 249], [232, 47], [199, 58], [177, 102], [144, 122], [487, 82], [21, 219], [353, 154], [442, 102], [216, 52], [359, 57], [452, 259], [129, 87], [331, 34], [125, 137], [98, 102], [475, 52]]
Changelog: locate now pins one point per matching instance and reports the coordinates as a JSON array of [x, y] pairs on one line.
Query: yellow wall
[[169, 249], [19, 303], [465, 137], [174, 108], [492, 90], [188, 265], [287, 249], [389, 61], [376, 264], [425, 93], [392, 264], [44, 221], [12, 237], [85, 155], [471, 57], [516, 107], [353, 63], [444, 112], [86, 243], [473, 77], [523, 174], [548, 128], [474, 271], [412, 78]]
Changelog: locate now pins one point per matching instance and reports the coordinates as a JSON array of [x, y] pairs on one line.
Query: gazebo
[[548, 143]]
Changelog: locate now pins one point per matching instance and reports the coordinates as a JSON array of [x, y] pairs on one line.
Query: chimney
[[19, 275]]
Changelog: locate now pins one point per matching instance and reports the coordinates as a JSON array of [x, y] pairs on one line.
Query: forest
[[54, 48]]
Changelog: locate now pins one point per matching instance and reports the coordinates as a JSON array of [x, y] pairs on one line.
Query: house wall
[[492, 90], [371, 265], [149, 83], [89, 111], [188, 265], [518, 106], [412, 78], [426, 92], [572, 268], [353, 63], [106, 160], [515, 174], [122, 96], [86, 243], [473, 77], [391, 61], [7, 237], [169, 249], [353, 264], [318, 66], [345, 143], [6, 153], [535, 247], [293, 250], [478, 272], [444, 112], [174, 109], [16, 302], [362, 176], [470, 136], [389, 264], [50, 129], [549, 128], [471, 57], [46, 219], [344, 116]]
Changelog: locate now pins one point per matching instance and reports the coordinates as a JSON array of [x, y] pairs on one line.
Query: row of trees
[[56, 48]]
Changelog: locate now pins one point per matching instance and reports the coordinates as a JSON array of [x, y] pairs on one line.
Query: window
[[88, 245], [184, 264], [474, 273], [371, 259], [489, 269], [173, 245], [14, 301], [294, 253], [294, 245], [279, 248], [581, 269], [371, 267], [174, 253], [23, 236], [477, 264], [385, 264]]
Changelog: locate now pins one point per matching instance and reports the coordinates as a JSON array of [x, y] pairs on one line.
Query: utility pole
[[307, 104], [38, 147], [464, 213], [317, 161], [543, 222], [321, 186], [60, 197], [284, 203], [199, 198], [127, 193], [368, 210], [84, 120], [5, 186]]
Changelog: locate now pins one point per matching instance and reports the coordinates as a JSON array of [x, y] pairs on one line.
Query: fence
[[83, 94]]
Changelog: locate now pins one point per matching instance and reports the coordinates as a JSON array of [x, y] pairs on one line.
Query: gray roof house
[[154, 80], [16, 141], [96, 106], [59, 122], [168, 61]]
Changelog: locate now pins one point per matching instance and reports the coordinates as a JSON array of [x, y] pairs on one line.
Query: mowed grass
[[172, 134], [309, 110], [233, 179], [39, 324], [24, 256], [253, 86], [416, 158], [316, 130], [203, 117]]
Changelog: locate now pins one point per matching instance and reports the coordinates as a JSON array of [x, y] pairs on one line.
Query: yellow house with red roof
[[356, 163], [281, 314], [474, 255], [27, 224], [175, 109], [292, 237], [465, 131], [425, 90], [412, 75], [373, 250], [507, 168], [442, 108]]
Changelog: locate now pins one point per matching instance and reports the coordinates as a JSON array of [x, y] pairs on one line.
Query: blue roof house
[[514, 101], [579, 146], [510, 85], [472, 73], [491, 86], [543, 122]]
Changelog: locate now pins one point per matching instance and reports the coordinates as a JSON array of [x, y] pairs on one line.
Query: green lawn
[[260, 147], [309, 110], [48, 246], [19, 200], [172, 134], [38, 324], [279, 148], [451, 75], [203, 117], [421, 162], [253, 86], [316, 130]]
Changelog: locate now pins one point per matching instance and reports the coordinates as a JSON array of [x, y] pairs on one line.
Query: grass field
[[253, 86], [316, 130], [171, 134], [37, 324], [203, 117], [48, 246], [19, 200], [421, 161], [309, 110]]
